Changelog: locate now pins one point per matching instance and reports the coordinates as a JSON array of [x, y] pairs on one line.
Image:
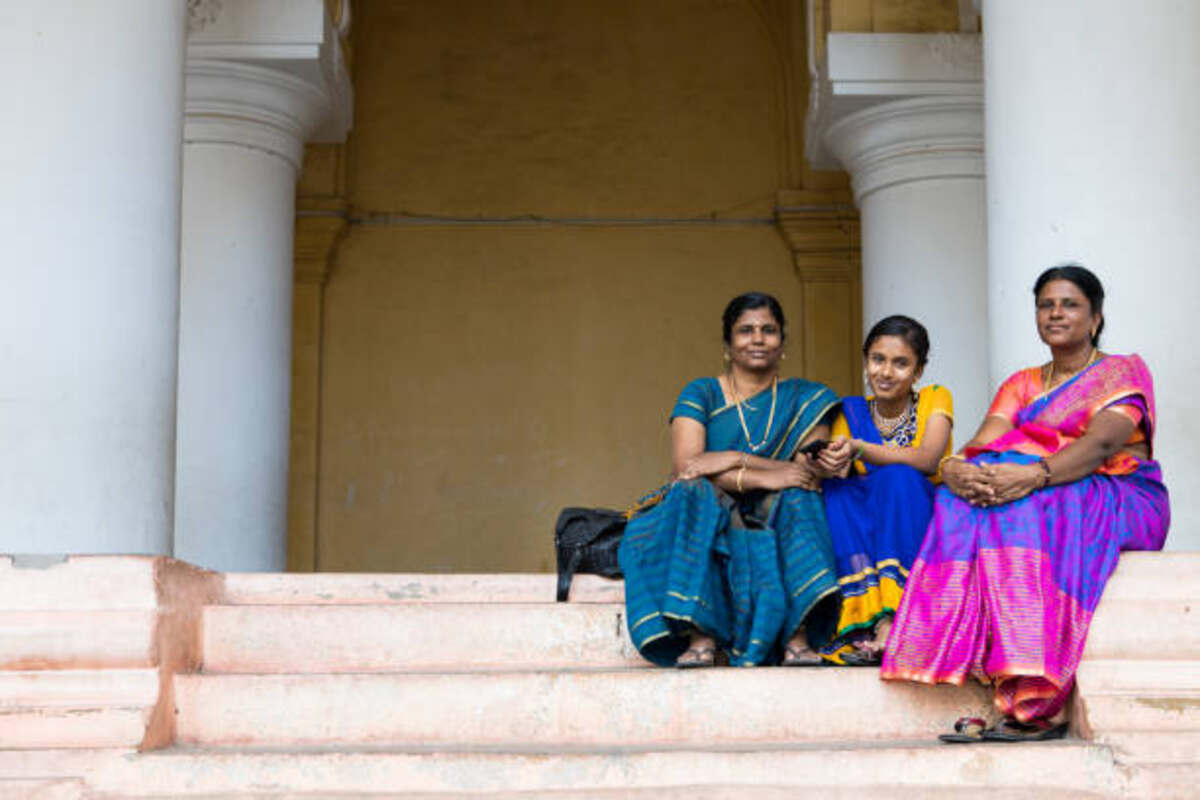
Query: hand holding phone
[[814, 448]]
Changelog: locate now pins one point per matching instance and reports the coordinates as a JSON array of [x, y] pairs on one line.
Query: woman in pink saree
[[1030, 522]]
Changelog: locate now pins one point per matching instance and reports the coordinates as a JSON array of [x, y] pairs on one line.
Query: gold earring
[[783, 356], [727, 357]]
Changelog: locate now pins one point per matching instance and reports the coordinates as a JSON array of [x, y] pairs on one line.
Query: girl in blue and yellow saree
[[737, 554], [879, 509]]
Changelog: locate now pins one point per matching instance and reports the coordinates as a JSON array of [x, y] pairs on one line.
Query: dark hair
[[1085, 280], [747, 302], [908, 329]]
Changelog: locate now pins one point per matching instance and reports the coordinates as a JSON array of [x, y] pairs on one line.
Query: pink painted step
[[637, 707], [77, 639], [411, 636], [76, 708], [1069, 769], [248, 588], [78, 583]]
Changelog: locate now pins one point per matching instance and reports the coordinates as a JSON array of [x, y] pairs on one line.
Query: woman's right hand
[[794, 474], [968, 481], [706, 464], [836, 457]]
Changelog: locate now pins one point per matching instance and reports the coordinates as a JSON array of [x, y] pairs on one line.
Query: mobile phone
[[813, 448]]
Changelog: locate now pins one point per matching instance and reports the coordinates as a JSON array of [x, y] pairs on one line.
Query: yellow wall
[[548, 205], [894, 16]]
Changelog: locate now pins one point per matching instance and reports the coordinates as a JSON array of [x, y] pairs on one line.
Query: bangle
[[862, 446], [745, 460], [951, 457], [1045, 465], [741, 472]]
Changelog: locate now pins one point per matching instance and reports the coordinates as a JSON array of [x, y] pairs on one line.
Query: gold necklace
[[737, 399], [1088, 363], [887, 425]]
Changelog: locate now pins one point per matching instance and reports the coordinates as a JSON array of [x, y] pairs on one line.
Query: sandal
[[862, 658], [797, 656], [697, 657], [966, 731], [1038, 730]]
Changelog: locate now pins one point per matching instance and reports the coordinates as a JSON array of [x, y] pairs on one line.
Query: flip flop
[[701, 657], [861, 658], [797, 657], [1012, 731], [967, 730]]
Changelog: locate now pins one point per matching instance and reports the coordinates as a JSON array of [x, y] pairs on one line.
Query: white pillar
[[244, 137], [917, 169], [88, 303], [1093, 120]]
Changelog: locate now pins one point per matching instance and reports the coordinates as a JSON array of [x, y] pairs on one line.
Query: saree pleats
[[877, 522], [1006, 594], [692, 562]]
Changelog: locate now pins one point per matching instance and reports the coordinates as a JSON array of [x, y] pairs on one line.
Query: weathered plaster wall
[[549, 205]]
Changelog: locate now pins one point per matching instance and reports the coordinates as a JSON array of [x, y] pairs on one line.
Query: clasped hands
[[987, 485], [982, 485]]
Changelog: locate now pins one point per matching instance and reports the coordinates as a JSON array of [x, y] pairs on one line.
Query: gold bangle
[[745, 459], [741, 472], [951, 457]]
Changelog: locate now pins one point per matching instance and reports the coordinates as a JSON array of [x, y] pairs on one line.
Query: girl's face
[[892, 367]]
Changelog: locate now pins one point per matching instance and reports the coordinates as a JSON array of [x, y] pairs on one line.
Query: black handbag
[[586, 541]]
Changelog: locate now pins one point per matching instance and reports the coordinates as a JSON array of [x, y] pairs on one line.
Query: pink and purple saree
[[1006, 593]]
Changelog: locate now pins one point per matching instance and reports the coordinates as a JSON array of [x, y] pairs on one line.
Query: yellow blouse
[[931, 400]]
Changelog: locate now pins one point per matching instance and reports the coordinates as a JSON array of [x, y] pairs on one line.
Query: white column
[[917, 169], [244, 137], [88, 302], [1093, 120]]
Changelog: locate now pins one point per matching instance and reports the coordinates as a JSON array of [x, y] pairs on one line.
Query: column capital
[[856, 71], [227, 102], [266, 76], [902, 141]]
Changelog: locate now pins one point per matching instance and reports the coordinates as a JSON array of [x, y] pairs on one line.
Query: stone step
[[43, 789], [512, 635], [56, 583], [76, 708], [632, 707], [1139, 576], [1096, 676], [77, 639], [429, 636], [1148, 711], [1067, 769], [332, 588], [1129, 628]]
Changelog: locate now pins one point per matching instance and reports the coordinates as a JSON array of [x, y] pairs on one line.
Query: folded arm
[[723, 467]]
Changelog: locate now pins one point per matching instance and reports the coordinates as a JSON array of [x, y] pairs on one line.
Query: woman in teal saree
[[737, 554]]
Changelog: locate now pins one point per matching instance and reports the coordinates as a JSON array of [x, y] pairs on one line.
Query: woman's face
[[756, 340], [892, 367], [1064, 315]]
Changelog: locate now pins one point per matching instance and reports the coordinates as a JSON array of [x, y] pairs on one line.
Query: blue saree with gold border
[[746, 569]]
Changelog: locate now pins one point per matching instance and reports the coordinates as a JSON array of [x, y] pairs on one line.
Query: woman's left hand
[[712, 463], [835, 458], [1011, 482]]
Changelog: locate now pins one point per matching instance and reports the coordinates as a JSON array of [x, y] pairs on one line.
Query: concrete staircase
[[146, 678]]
